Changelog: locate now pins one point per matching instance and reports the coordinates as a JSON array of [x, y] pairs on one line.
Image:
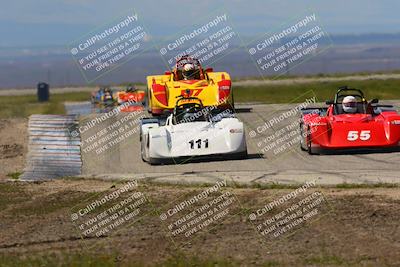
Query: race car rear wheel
[[244, 155], [240, 155]]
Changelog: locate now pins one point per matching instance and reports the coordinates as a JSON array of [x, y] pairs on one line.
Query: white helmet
[[349, 104], [188, 70]]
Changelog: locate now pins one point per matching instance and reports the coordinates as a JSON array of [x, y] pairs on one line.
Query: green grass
[[318, 75], [52, 203], [12, 193], [87, 259], [25, 105], [64, 260], [360, 186], [260, 186], [286, 93], [14, 175], [326, 260], [272, 263]]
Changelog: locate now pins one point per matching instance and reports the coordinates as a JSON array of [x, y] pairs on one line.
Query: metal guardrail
[[52, 151]]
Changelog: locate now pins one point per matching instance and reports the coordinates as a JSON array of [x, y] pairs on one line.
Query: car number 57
[[362, 135]]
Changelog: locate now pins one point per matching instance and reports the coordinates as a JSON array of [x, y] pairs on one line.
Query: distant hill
[[24, 66]]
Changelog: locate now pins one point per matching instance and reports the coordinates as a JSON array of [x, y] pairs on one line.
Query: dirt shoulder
[[360, 229], [13, 146]]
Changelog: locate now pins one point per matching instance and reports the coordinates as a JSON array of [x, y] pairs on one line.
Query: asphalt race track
[[274, 155]]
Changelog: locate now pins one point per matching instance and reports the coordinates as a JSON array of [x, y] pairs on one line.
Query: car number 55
[[362, 135]]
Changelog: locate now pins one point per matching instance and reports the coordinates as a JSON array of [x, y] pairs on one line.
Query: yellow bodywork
[[207, 90]]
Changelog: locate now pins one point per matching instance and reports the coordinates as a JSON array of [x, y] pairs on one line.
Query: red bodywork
[[374, 126], [131, 101], [353, 130]]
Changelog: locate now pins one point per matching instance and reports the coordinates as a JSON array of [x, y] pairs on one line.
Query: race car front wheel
[[148, 102], [309, 138], [303, 139], [144, 148]]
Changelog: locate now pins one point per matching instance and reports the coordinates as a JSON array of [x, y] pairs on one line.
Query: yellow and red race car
[[189, 79]]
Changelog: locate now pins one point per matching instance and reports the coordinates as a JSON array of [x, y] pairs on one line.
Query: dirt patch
[[361, 229], [11, 151], [13, 145]]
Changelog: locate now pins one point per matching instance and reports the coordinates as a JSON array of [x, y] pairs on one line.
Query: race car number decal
[[193, 92], [199, 143], [362, 135]]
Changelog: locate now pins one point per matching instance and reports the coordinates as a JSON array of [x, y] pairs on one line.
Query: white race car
[[192, 131]]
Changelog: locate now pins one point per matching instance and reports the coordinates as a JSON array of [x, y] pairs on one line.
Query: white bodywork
[[190, 139]]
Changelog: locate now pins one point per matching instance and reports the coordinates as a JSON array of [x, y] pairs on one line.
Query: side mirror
[[329, 102], [209, 70], [374, 101], [167, 72]]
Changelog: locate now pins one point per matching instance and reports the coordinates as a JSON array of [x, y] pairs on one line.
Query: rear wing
[[382, 108], [321, 111]]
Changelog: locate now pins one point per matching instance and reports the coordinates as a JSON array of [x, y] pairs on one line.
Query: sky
[[59, 22]]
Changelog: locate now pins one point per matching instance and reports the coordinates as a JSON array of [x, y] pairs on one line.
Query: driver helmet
[[108, 93], [188, 71], [349, 104]]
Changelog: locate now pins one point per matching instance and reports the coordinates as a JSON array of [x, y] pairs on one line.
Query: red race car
[[131, 100], [350, 123]]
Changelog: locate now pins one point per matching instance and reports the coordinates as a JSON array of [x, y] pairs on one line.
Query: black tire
[[143, 149], [309, 148], [154, 162], [302, 138], [233, 102], [241, 155], [148, 106]]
